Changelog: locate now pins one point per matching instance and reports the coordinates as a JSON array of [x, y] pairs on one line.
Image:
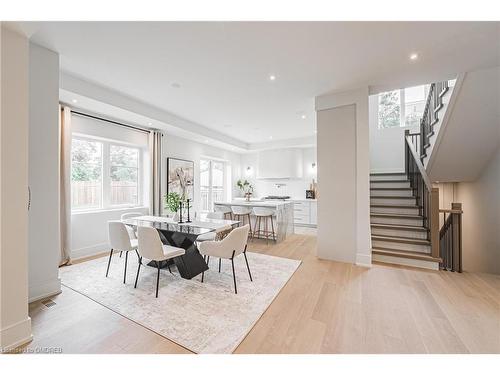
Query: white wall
[[15, 324], [295, 188], [481, 218], [44, 240], [343, 177], [182, 148], [386, 145]]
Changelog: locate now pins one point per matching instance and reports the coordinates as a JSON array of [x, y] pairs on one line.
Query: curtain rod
[[112, 122]]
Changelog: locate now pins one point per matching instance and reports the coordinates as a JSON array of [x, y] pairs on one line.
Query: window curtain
[[65, 184], [155, 152]]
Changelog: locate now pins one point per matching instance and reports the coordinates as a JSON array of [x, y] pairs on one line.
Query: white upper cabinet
[[281, 163]]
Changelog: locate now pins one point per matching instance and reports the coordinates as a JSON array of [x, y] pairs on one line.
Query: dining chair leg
[[125, 270], [168, 266], [120, 254], [246, 260], [157, 279], [109, 261], [138, 269], [208, 261], [234, 275], [220, 261], [202, 276]]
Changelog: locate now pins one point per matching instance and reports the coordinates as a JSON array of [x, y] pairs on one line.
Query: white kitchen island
[[283, 217]]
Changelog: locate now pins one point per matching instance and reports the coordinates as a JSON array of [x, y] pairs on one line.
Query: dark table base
[[190, 264]]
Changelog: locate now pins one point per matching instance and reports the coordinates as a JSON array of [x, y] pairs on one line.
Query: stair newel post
[[407, 158], [434, 221], [457, 237]]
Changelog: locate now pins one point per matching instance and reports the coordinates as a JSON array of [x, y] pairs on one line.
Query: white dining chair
[[130, 230], [234, 244], [210, 236], [151, 247], [120, 240]]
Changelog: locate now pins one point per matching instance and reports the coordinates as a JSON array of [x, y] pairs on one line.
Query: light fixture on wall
[[313, 167], [248, 171]]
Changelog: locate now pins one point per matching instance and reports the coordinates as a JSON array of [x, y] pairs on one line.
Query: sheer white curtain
[[155, 152], [65, 183]]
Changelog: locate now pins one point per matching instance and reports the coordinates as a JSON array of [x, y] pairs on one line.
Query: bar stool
[[228, 213], [240, 213], [266, 214]]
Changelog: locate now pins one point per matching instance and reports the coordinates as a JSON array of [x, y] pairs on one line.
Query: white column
[[44, 240], [343, 177], [15, 324]]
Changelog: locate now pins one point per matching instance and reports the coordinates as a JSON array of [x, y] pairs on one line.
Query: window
[[401, 108], [212, 183], [104, 174], [124, 168], [86, 174]]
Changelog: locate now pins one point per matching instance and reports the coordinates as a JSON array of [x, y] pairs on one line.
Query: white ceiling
[[223, 68]]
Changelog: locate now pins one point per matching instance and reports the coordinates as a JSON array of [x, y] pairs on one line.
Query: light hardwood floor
[[326, 307]]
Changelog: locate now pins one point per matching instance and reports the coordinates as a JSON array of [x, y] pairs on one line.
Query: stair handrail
[[426, 195], [430, 116]]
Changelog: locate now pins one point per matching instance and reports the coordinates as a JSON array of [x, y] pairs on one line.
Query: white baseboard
[[44, 290], [15, 335], [364, 260], [89, 251]]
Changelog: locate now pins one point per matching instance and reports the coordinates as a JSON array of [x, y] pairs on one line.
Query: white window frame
[[106, 175], [225, 186], [402, 110]]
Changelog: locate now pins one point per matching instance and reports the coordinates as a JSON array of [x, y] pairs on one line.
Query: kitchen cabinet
[[305, 212]]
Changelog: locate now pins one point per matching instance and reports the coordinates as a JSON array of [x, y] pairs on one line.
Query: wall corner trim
[[364, 260]]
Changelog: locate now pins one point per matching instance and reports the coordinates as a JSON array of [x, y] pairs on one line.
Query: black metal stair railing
[[430, 116], [450, 239]]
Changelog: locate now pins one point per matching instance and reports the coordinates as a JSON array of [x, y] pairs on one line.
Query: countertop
[[256, 203]]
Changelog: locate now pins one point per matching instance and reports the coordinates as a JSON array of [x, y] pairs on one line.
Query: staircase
[[397, 225]]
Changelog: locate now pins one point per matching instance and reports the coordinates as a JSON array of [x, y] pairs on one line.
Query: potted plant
[[246, 188], [172, 203]]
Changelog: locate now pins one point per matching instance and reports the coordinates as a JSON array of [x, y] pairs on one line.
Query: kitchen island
[[283, 216]]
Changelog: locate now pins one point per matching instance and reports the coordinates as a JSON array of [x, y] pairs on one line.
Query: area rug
[[202, 317]]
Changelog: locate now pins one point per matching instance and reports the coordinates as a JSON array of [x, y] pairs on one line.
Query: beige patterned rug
[[202, 317]]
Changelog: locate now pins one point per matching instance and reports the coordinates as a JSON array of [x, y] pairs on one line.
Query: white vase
[[175, 217]]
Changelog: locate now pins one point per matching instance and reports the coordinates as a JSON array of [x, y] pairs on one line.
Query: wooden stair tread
[[392, 188], [400, 239], [389, 174], [403, 216], [386, 181], [400, 227], [392, 197], [394, 205], [404, 254]]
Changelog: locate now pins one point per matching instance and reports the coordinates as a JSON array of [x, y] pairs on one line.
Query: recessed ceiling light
[[270, 137], [75, 101], [150, 123], [303, 117], [272, 77], [413, 56], [206, 140], [176, 85]]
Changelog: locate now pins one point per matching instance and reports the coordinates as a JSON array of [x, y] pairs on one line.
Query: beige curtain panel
[[155, 151], [65, 184]]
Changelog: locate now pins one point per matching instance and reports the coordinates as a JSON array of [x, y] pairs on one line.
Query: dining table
[[182, 235]]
